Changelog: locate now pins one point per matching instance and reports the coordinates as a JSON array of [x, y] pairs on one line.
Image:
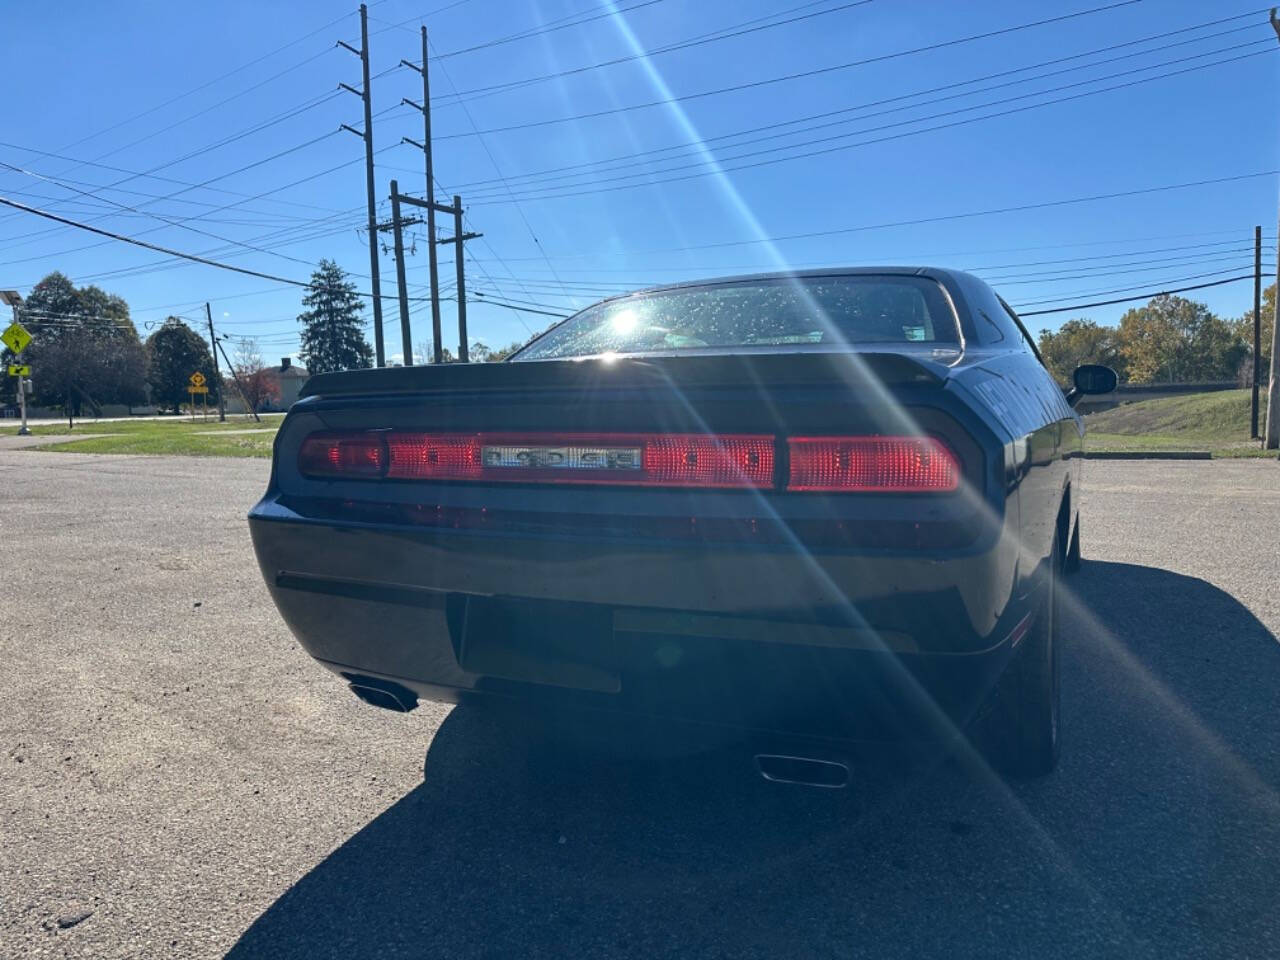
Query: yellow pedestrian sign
[[19, 369], [197, 381], [16, 337]]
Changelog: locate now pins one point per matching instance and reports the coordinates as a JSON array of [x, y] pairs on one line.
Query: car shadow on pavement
[[1157, 836]]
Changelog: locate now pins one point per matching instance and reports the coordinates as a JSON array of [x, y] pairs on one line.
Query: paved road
[[172, 762]]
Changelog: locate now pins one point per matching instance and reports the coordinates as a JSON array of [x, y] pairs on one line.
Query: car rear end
[[417, 538]]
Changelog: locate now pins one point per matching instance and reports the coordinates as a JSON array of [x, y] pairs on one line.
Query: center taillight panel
[[827, 464]]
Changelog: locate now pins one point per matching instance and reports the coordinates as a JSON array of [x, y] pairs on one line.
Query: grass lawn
[[175, 436], [1217, 422]]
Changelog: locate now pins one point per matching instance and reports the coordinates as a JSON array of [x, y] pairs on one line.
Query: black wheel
[[1072, 563], [1022, 727]]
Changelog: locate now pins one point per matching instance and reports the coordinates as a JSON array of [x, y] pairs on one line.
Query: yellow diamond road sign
[[16, 337], [197, 379], [19, 370]]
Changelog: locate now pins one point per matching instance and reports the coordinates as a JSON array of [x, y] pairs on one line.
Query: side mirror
[[1094, 378]]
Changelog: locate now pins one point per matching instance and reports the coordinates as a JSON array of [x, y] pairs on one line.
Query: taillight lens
[[342, 455], [624, 459], [872, 465]]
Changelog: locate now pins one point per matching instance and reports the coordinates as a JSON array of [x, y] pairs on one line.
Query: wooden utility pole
[[217, 374], [244, 394], [367, 136], [458, 237], [1257, 332], [1272, 441], [425, 147], [401, 286], [396, 225]]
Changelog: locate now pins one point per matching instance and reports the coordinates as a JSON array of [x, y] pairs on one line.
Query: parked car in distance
[[824, 506]]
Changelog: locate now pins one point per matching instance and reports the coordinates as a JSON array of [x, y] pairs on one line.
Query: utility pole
[[1257, 331], [458, 238], [244, 394], [1272, 441], [217, 374], [425, 147], [462, 287], [401, 286], [437, 340], [367, 135]]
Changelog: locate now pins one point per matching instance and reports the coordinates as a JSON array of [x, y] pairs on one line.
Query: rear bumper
[[844, 644]]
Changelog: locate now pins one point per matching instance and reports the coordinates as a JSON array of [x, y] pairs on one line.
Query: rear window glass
[[781, 313]]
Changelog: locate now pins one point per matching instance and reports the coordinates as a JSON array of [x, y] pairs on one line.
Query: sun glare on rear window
[[770, 314]]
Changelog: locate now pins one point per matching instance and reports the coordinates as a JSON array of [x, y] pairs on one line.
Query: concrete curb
[[1148, 455]]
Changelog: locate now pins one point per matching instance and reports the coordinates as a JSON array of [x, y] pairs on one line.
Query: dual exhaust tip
[[774, 767]]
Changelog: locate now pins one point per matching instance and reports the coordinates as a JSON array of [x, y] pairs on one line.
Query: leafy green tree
[[1080, 341], [1244, 330], [175, 352], [85, 349], [1172, 339], [332, 330]]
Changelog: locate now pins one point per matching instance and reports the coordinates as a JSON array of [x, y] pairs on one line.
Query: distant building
[[288, 378]]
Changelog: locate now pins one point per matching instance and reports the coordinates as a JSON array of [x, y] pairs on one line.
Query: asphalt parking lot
[[179, 779]]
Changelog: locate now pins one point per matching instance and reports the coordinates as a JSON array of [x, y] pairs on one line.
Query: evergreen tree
[[332, 329]]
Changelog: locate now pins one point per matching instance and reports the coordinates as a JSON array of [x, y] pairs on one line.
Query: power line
[[550, 27], [1102, 293], [943, 218], [613, 183], [1143, 296], [264, 193], [195, 258], [210, 83], [753, 84], [512, 306], [562, 172], [168, 251], [494, 162], [725, 33], [165, 220]]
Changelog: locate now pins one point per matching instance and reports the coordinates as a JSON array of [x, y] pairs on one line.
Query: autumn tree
[[175, 352], [1244, 330], [332, 329], [1172, 339], [257, 387], [1080, 341]]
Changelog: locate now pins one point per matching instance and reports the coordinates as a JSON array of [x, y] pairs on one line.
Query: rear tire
[[1072, 563], [1022, 727]]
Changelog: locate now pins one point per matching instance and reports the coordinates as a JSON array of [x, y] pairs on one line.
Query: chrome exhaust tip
[[803, 771]]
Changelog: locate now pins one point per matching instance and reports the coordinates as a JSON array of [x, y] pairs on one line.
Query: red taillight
[[817, 464], [622, 459], [434, 456], [342, 455], [701, 461], [872, 465]]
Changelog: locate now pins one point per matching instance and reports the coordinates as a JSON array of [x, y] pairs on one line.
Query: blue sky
[[246, 93]]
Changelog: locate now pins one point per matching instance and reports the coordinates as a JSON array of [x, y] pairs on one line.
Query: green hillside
[[1217, 421]]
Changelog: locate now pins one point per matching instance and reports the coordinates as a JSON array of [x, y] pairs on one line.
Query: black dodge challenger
[[827, 506]]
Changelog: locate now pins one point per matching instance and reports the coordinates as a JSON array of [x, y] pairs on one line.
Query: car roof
[[935, 273]]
